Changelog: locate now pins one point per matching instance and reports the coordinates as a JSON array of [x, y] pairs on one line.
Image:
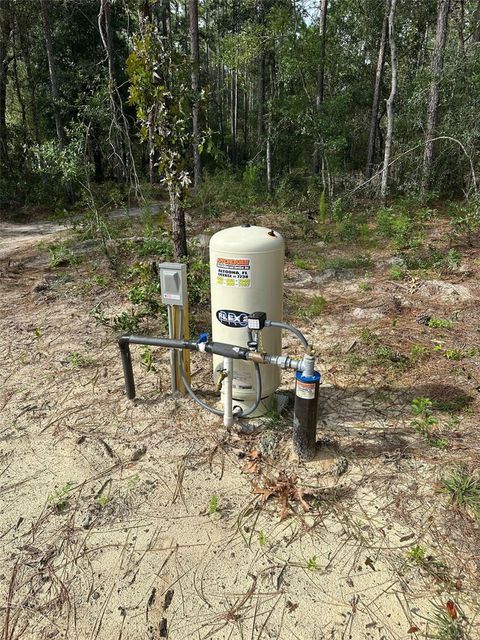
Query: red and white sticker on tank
[[234, 272]]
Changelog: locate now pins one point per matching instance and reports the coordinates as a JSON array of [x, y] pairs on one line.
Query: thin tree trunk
[[461, 29], [432, 108], [376, 94], [234, 116], [261, 100], [5, 28], [320, 75], [391, 98], [105, 29], [53, 74], [476, 23], [245, 120], [31, 84], [269, 158], [197, 167], [18, 90], [177, 214]]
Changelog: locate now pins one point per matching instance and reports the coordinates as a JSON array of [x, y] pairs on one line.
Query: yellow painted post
[[185, 354]]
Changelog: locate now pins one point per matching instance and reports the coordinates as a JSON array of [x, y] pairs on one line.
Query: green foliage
[[301, 263], [351, 229], [421, 406], [426, 424], [198, 277], [162, 107], [316, 307], [417, 555], [322, 208], [397, 272], [464, 490], [465, 217], [76, 360], [312, 564], [102, 500], [60, 497], [155, 245], [213, 505], [146, 358], [460, 354], [398, 226], [61, 255], [440, 323], [222, 190], [126, 322], [448, 624], [432, 258], [340, 263], [262, 538]]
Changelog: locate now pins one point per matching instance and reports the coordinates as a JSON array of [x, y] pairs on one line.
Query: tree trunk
[[269, 158], [476, 23], [461, 29], [376, 94], [179, 232], [245, 120], [18, 88], [5, 28], [391, 98], [320, 74], [197, 167], [31, 83], [234, 116], [261, 100], [105, 29], [432, 108], [53, 75]]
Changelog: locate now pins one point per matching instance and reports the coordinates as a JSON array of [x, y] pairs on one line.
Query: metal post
[[173, 353], [227, 392]]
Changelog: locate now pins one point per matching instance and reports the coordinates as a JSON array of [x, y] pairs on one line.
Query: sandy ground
[[105, 523]]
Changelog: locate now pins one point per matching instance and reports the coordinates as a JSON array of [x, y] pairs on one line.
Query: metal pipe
[[170, 343], [173, 353], [227, 392], [288, 327]]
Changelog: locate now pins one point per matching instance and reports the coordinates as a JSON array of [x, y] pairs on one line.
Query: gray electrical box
[[173, 283]]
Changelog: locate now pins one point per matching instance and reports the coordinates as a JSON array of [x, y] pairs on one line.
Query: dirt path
[[17, 236]]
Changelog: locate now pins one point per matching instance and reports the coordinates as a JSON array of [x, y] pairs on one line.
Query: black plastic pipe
[[305, 415], [124, 342], [127, 367]]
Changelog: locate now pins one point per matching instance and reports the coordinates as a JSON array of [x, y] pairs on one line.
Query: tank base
[[266, 405]]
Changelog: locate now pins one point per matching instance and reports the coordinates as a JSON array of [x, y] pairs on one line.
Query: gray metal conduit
[[288, 327]]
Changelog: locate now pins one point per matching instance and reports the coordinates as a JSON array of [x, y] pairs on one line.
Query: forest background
[[106, 102]]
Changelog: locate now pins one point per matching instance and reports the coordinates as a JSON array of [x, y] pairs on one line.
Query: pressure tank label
[[234, 272], [233, 319]]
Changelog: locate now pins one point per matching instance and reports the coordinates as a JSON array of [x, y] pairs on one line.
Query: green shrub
[[465, 217], [397, 272], [198, 281], [316, 307], [61, 255], [398, 227]]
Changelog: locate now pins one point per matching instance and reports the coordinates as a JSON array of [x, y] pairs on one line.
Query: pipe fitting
[[308, 365]]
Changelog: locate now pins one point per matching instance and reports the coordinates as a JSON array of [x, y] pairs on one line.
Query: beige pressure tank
[[246, 275]]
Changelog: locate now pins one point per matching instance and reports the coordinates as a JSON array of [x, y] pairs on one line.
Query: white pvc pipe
[[227, 392]]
